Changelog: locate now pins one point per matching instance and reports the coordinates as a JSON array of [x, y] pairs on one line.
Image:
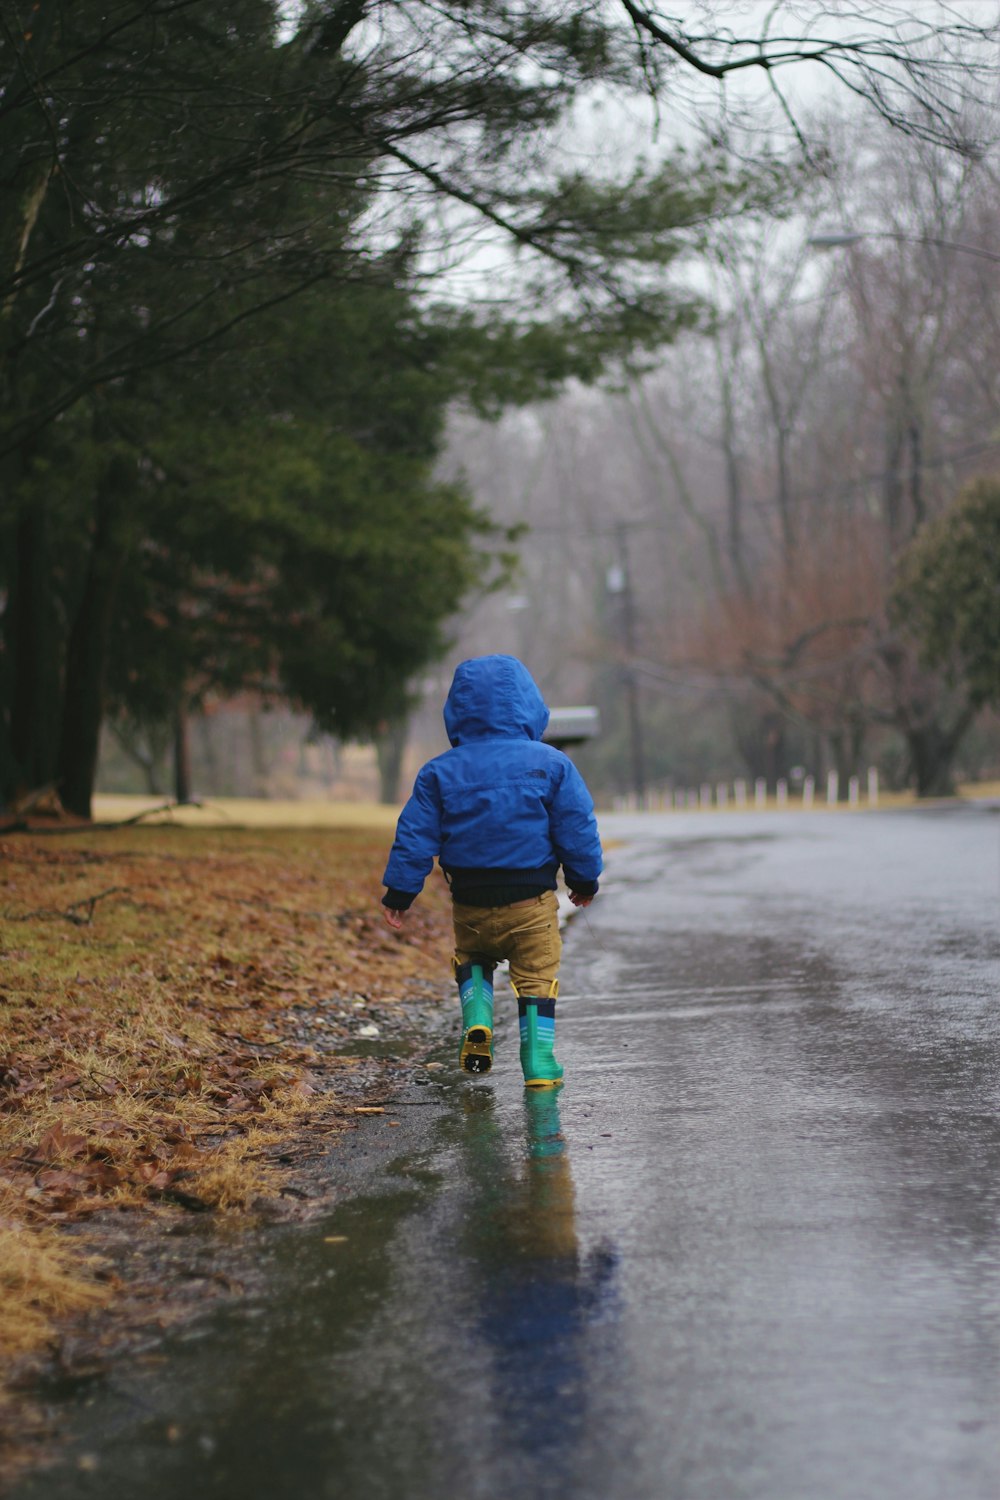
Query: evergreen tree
[[173, 177], [947, 592]]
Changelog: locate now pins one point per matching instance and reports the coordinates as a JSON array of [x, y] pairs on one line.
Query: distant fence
[[798, 792]]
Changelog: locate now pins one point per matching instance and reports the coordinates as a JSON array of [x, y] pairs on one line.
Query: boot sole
[[543, 1083], [477, 1050]]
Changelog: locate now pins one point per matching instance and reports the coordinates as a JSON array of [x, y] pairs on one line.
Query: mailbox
[[571, 726]]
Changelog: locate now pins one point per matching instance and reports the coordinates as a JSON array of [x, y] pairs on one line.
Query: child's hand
[[394, 918], [579, 900]]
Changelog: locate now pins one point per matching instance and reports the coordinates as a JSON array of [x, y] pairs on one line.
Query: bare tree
[[845, 422], [778, 466], [916, 70]]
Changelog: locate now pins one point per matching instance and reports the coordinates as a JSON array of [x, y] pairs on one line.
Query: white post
[[692, 799], [740, 793], [808, 791], [781, 793], [873, 786], [853, 793], [760, 792], [706, 795], [722, 794], [832, 787]]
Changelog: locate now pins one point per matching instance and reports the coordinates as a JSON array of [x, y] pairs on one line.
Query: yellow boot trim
[[476, 1055], [553, 993]]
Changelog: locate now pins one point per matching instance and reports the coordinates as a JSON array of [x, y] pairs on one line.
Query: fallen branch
[[148, 813], [21, 825], [71, 913]]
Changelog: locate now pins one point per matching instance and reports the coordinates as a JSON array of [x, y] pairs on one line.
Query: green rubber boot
[[537, 1021], [475, 990]]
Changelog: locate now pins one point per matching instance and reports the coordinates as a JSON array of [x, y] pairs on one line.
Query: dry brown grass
[[42, 1280], [156, 990]]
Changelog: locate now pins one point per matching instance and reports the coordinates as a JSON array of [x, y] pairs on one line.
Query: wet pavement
[[752, 1249]]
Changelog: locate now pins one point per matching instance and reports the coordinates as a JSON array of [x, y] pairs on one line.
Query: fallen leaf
[[60, 1181], [59, 1142]]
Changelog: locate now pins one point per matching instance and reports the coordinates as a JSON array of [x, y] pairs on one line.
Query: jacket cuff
[[581, 887], [399, 900]]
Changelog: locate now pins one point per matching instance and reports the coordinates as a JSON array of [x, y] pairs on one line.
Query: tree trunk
[[892, 487], [182, 755], [32, 645], [933, 748], [148, 761], [258, 754], [87, 649], [209, 758], [759, 733], [83, 694], [734, 489], [918, 505], [390, 746], [847, 744]]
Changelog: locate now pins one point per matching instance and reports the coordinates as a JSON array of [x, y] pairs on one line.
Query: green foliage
[[654, 214], [223, 382], [291, 561], [166, 170], [947, 592]]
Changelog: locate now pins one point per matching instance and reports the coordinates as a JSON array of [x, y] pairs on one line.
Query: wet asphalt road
[[750, 1252]]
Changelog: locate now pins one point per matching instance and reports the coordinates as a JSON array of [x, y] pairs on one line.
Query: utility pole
[[620, 582]]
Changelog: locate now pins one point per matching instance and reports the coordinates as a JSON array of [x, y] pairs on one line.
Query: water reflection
[[541, 1294]]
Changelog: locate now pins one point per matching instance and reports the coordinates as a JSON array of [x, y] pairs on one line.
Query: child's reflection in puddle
[[539, 1295]]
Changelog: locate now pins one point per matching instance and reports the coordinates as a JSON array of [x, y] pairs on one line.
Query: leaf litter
[[179, 1034]]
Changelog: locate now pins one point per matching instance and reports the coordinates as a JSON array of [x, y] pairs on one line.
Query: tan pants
[[526, 934]]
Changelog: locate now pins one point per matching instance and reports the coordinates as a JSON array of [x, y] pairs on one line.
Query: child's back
[[502, 811]]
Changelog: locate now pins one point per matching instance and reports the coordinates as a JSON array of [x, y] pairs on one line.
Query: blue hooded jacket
[[499, 806]]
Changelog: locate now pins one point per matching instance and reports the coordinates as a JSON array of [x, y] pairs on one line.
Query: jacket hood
[[491, 697]]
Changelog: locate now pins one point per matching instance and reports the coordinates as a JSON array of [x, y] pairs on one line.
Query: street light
[[835, 238]]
